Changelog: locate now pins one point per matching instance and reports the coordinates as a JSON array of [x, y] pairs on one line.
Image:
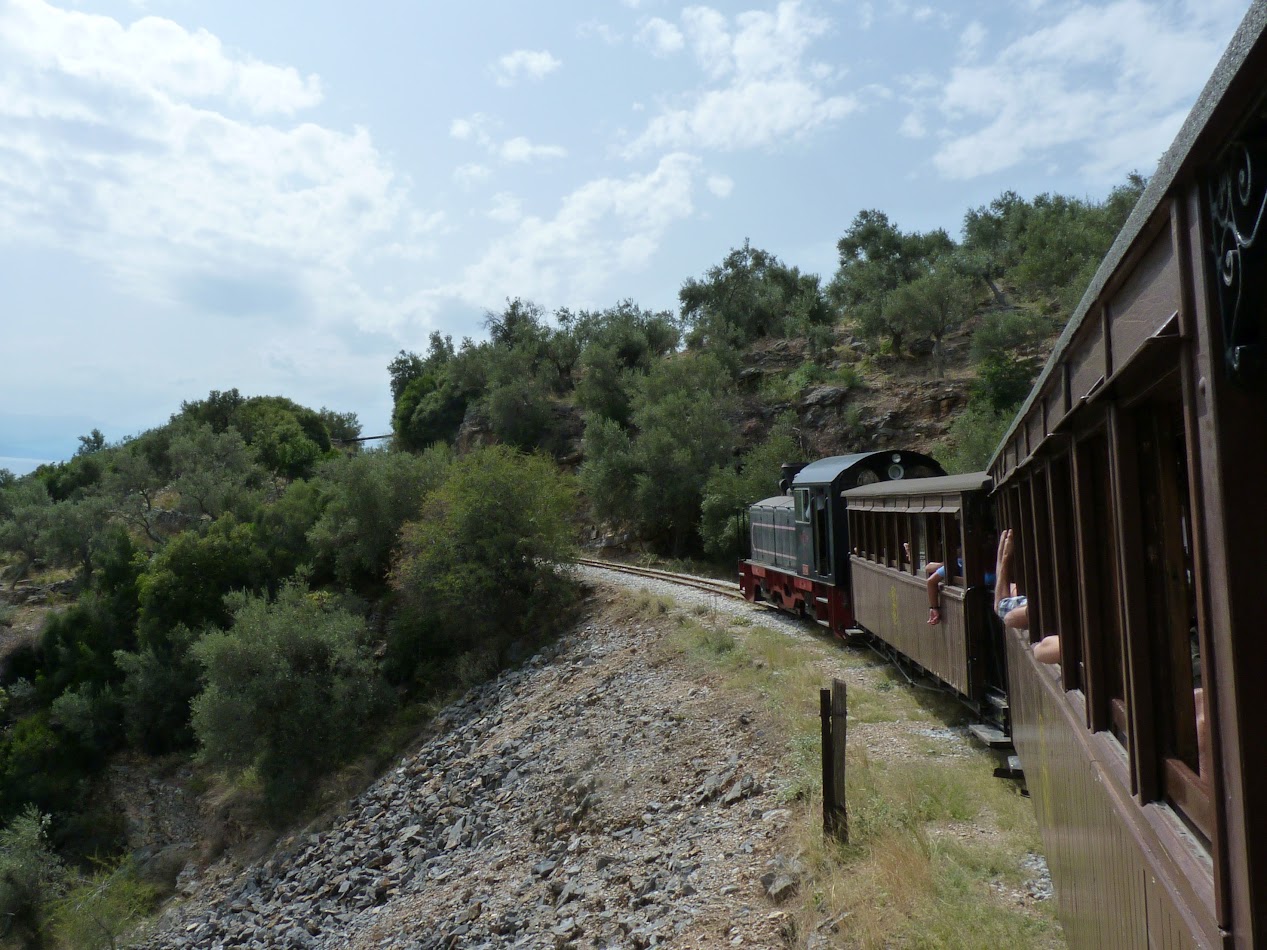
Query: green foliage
[[289, 687], [285, 437], [70, 479], [368, 499], [1001, 332], [1050, 247], [187, 580], [31, 876], [283, 525], [607, 477], [788, 388], [99, 908], [750, 295], [214, 472], [90, 715], [43, 767], [70, 532], [24, 510], [973, 438], [729, 491], [681, 417], [159, 683], [429, 410], [482, 565], [342, 427], [1003, 382], [876, 258], [429, 396], [520, 414], [934, 303], [95, 441]]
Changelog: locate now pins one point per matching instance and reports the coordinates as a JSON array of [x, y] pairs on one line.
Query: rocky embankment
[[596, 797]]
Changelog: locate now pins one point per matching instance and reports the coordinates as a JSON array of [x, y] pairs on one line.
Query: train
[[1130, 481]]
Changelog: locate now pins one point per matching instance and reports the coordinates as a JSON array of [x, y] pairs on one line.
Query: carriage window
[[1098, 582], [1065, 602], [1042, 619], [1172, 615]]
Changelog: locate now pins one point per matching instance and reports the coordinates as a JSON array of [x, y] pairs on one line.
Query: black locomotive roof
[[826, 471], [942, 485]]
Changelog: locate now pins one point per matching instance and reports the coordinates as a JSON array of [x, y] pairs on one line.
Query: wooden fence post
[[829, 775], [832, 711]]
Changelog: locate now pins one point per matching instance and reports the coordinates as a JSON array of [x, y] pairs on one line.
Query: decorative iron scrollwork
[[1238, 208]]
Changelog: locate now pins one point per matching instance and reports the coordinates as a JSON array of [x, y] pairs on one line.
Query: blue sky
[[277, 196]]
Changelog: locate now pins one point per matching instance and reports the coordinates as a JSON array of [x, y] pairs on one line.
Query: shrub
[[187, 580], [159, 683], [288, 688], [369, 498], [481, 565], [99, 908], [31, 875], [972, 439]]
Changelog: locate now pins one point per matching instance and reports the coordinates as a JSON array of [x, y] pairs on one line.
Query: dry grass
[[936, 842]]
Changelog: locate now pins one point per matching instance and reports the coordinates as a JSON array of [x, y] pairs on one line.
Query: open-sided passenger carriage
[[900, 528], [1133, 478]]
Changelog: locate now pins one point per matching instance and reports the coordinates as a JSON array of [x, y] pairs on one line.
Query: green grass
[[906, 878]]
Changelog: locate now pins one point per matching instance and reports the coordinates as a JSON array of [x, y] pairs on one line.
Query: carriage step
[[822, 623], [997, 700], [990, 737], [1012, 770]]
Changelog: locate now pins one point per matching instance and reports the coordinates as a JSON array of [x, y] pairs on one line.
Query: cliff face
[[864, 401]]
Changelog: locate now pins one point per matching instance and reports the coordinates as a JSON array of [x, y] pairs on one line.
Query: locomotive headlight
[[896, 471], [897, 456]]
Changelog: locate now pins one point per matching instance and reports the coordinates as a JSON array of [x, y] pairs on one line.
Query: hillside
[[621, 789]]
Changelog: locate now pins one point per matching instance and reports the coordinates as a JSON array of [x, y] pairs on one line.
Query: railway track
[[685, 580]]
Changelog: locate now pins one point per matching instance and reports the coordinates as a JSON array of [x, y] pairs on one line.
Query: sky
[[277, 196]]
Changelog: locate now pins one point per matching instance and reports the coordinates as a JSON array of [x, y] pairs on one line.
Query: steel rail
[[671, 577]]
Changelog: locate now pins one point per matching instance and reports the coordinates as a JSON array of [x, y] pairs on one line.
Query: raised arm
[[1003, 568]]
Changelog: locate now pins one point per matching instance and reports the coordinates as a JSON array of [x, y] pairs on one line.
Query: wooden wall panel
[[1146, 301], [1110, 893], [1086, 358], [894, 606]]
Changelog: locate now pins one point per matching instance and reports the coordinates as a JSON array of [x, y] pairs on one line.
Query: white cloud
[[478, 128], [505, 208], [519, 149], [1094, 77], [600, 30], [720, 185], [152, 57], [661, 37], [149, 149], [603, 227], [471, 174], [913, 127], [524, 63], [971, 40], [768, 91]]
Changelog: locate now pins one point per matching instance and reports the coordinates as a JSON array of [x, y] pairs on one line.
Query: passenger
[[936, 575], [1047, 650], [1203, 734], [1011, 606]]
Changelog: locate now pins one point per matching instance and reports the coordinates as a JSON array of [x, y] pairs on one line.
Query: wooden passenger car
[[947, 519], [1133, 476]]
